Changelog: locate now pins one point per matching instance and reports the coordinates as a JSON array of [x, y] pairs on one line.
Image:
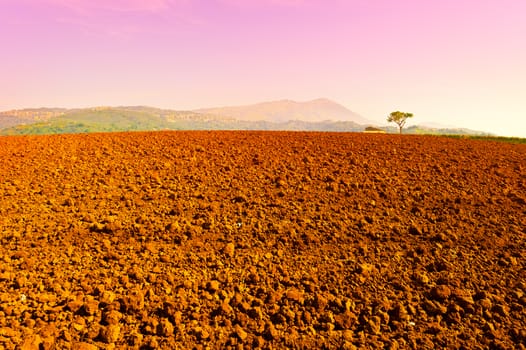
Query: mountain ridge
[[315, 115], [278, 111]]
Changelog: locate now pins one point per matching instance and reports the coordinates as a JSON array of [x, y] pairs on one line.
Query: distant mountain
[[315, 111], [315, 115], [146, 118], [319, 115]]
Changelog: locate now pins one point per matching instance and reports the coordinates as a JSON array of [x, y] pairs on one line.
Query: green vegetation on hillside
[[49, 128], [86, 121]]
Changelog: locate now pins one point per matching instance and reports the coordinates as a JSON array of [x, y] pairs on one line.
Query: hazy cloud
[[246, 3], [87, 6]]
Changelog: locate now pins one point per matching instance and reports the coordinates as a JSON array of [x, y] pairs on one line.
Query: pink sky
[[453, 62]]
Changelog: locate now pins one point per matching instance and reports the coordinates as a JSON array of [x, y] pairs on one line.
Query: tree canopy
[[399, 118]]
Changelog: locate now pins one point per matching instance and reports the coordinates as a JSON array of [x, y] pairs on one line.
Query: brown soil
[[261, 240]]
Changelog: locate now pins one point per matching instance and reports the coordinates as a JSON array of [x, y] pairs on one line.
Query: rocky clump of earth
[[242, 240]]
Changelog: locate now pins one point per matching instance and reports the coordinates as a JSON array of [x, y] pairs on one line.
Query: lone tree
[[399, 118]]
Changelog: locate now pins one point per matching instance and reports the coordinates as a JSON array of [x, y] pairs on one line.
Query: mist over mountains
[[316, 115], [314, 111]]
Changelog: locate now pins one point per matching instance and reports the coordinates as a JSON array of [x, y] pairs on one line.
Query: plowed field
[[269, 240]]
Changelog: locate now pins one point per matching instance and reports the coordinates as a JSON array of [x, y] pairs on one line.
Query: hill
[[291, 116], [285, 115], [99, 119]]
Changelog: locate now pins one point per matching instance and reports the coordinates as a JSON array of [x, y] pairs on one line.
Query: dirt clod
[[229, 249], [441, 292]]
